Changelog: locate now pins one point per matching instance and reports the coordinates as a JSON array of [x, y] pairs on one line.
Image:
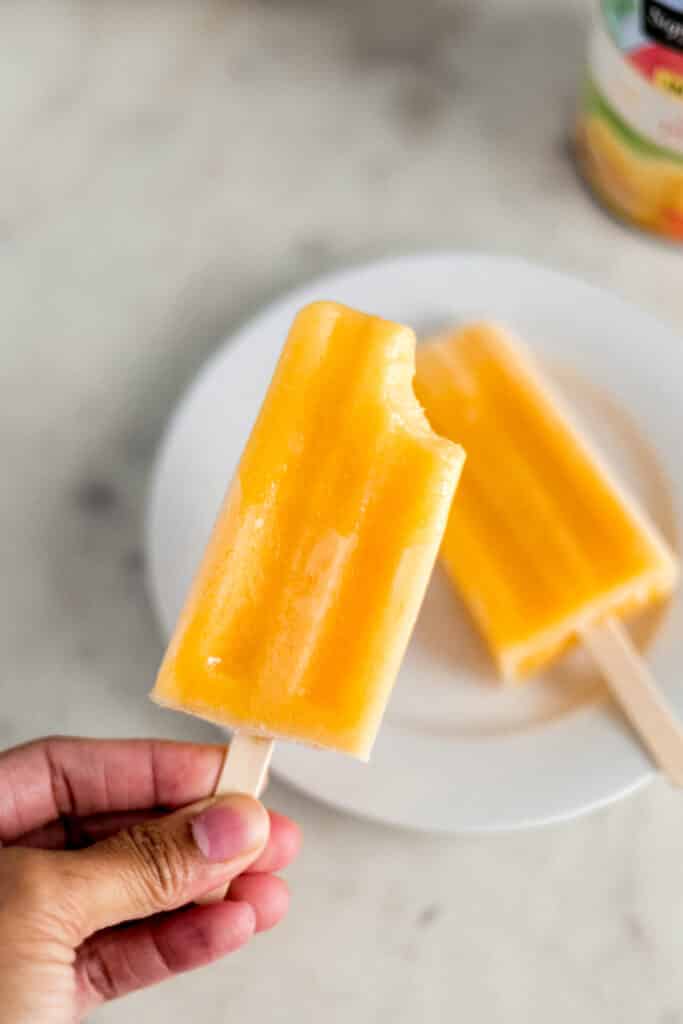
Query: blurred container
[[630, 125]]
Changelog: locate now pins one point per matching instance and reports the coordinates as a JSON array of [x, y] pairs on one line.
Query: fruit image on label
[[646, 189], [668, 80]]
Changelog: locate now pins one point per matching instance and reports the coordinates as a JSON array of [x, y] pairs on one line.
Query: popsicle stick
[[245, 770], [635, 690]]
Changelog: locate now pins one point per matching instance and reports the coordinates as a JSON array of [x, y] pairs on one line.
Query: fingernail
[[232, 826]]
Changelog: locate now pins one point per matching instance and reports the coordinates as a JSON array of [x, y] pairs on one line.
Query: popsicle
[[300, 613], [545, 547]]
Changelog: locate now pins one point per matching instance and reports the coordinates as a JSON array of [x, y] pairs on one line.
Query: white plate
[[456, 753]]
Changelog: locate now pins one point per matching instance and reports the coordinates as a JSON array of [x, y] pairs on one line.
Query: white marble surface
[[166, 167]]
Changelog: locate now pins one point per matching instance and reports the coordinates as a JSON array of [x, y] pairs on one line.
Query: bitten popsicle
[[543, 544], [300, 613]]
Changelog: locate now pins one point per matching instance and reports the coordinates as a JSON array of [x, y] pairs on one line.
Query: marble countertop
[[167, 167]]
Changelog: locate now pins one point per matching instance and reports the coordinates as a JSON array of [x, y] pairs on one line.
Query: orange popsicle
[[300, 613], [542, 542]]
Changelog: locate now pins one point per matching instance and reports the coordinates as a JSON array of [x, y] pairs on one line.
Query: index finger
[[48, 778]]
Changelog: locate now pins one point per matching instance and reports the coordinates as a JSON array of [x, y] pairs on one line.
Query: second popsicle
[[544, 545]]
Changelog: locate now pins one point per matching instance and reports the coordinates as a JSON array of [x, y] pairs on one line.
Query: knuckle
[[162, 867], [52, 738]]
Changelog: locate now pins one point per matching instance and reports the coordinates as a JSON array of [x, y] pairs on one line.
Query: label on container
[[644, 85], [630, 129]]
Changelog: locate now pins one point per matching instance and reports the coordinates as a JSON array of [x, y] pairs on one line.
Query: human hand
[[88, 847]]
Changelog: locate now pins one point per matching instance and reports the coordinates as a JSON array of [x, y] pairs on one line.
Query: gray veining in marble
[[167, 167]]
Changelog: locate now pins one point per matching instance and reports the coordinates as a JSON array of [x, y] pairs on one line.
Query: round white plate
[[456, 753]]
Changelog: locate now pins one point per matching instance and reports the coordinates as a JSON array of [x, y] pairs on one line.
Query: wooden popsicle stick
[[245, 770], [634, 688]]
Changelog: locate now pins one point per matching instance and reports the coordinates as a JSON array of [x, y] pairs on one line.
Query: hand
[[88, 846]]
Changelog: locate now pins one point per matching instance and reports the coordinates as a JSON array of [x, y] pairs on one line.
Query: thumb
[[166, 862]]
